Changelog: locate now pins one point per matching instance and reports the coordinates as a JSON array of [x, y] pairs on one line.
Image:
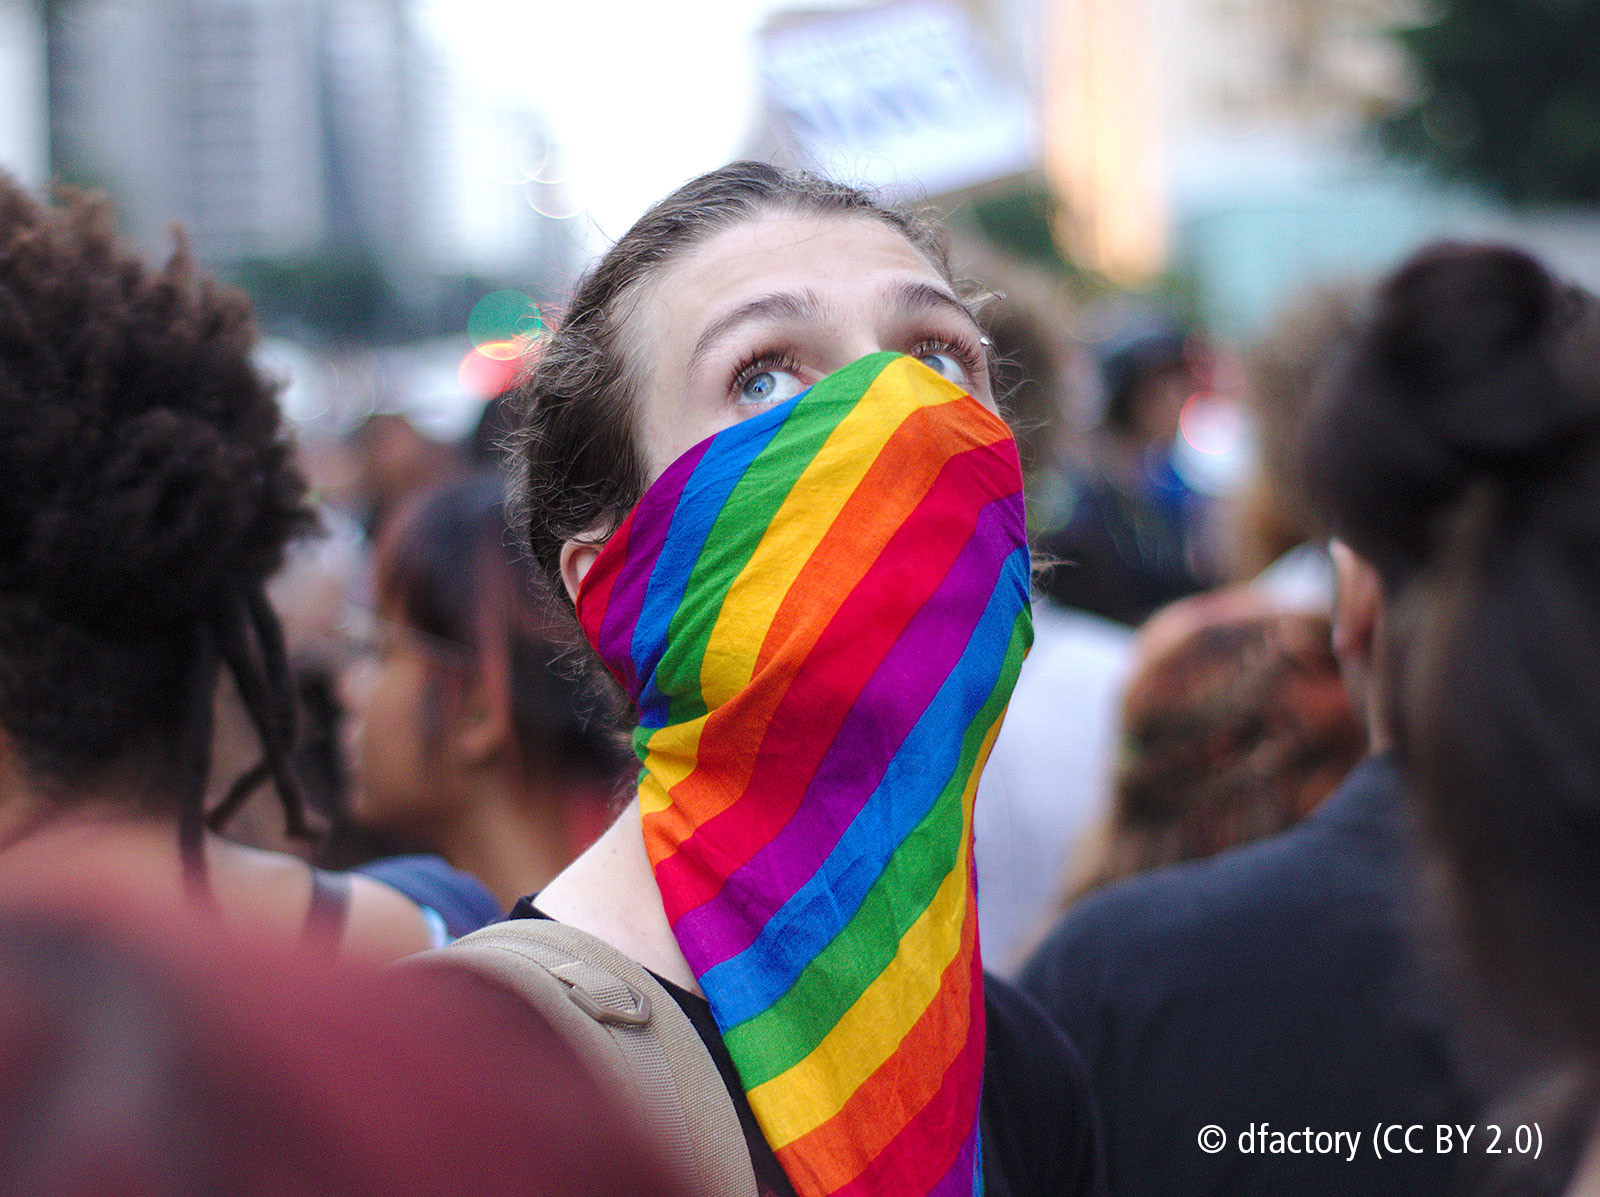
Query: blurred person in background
[[310, 595], [1029, 320], [1235, 725], [1285, 981], [1119, 530], [1279, 540], [149, 494], [141, 1052], [1458, 454], [1046, 779], [395, 460], [470, 734], [486, 444]]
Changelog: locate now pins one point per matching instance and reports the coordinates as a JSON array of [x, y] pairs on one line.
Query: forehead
[[848, 254], [769, 247]]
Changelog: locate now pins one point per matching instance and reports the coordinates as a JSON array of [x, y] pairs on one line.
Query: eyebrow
[[780, 306], [912, 297], [905, 298]]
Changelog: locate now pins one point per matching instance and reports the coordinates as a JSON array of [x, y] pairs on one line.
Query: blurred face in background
[[396, 693], [1158, 405]]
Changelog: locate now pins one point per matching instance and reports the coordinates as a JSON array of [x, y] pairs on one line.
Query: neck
[[512, 838], [610, 891], [97, 841]]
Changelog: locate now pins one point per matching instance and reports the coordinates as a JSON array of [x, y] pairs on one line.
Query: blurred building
[[24, 138], [1177, 128], [1228, 140], [280, 129], [1222, 139]]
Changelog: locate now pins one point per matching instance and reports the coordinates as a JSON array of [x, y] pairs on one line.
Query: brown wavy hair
[[1234, 730], [576, 464]]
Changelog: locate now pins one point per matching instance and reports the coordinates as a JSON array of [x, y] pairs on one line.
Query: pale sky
[[640, 95]]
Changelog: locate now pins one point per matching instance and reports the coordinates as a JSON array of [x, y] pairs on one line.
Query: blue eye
[[946, 364], [769, 386]]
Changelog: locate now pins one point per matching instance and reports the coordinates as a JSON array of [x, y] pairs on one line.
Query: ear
[[1357, 606], [576, 558], [17, 803], [480, 726]]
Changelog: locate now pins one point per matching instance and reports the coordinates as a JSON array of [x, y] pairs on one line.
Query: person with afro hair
[[147, 491]]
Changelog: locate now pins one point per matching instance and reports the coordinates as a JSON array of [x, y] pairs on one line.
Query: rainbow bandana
[[820, 613]]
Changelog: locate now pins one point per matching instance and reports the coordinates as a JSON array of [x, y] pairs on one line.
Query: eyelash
[[970, 356], [755, 363]]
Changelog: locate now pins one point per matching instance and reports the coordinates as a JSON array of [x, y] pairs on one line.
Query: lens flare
[[532, 156], [1210, 425], [501, 351], [1215, 444], [503, 316], [554, 201], [485, 375]]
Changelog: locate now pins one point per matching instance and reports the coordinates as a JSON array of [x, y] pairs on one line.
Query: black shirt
[[1038, 1128], [1279, 983]]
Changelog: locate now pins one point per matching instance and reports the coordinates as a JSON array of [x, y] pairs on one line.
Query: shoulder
[[1277, 982], [1040, 1130], [1259, 910], [461, 900], [1189, 904], [382, 924]]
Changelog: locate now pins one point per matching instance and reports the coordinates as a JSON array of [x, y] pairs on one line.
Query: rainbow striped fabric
[[820, 613]]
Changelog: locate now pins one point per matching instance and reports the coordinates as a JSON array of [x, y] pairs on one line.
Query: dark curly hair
[[149, 492]]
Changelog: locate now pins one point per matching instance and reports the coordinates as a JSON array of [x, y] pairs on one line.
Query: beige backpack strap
[[628, 1031]]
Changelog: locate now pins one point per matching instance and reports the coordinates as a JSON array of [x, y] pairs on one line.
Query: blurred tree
[[1018, 220], [329, 296], [1510, 97]]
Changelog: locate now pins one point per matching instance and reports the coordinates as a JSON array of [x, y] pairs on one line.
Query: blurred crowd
[[1275, 833]]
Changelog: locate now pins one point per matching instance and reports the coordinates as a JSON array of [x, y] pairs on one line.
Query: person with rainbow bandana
[[762, 459]]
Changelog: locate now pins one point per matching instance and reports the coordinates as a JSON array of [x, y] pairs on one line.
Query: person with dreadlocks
[[149, 492]]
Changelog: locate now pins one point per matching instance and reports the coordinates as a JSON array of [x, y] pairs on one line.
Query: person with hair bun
[[1458, 453], [1298, 981], [149, 492], [762, 465]]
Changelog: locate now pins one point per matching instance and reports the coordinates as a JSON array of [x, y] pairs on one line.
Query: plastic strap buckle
[[590, 1005]]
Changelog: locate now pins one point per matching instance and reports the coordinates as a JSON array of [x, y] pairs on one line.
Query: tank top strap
[[328, 909]]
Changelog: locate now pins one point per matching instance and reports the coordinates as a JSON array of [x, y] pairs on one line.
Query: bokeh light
[[502, 351], [1210, 425], [1215, 443], [503, 316], [553, 200], [489, 369], [532, 156]]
